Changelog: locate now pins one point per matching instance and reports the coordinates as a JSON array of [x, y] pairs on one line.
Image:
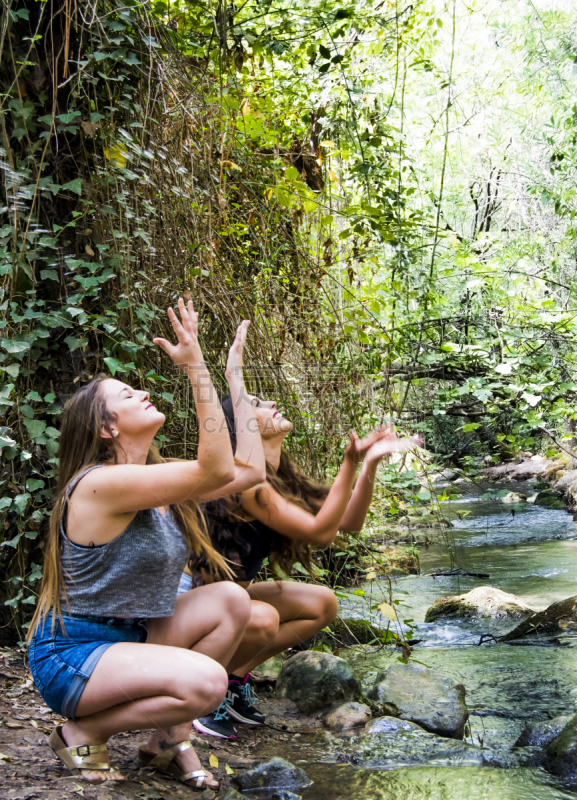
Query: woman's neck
[[272, 450]]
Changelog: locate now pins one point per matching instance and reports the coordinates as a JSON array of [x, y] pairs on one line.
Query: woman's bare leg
[[261, 630], [303, 608], [139, 686], [210, 620], [162, 684]]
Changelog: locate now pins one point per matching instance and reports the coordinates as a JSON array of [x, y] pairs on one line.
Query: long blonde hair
[[82, 446]]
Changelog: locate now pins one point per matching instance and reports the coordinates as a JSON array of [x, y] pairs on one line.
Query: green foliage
[[360, 180]]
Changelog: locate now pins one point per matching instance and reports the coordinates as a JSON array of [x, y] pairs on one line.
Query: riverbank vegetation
[[386, 190]]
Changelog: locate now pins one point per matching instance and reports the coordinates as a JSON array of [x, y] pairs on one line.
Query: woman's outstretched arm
[[356, 511], [295, 522], [250, 465], [267, 505]]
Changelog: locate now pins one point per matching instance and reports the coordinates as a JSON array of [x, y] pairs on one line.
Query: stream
[[532, 554]]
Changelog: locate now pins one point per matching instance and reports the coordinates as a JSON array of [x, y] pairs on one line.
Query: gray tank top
[[134, 575]]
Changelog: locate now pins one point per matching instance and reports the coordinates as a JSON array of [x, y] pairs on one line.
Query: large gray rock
[[561, 758], [558, 618], [424, 696], [482, 602], [540, 734], [317, 680], [347, 716], [273, 774]]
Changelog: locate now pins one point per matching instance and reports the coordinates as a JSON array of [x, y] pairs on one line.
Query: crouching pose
[[111, 647], [282, 520]]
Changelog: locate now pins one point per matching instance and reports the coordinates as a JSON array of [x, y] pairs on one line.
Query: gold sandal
[[75, 757], [163, 762]]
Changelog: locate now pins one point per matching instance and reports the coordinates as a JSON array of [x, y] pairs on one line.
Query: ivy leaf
[[67, 118], [531, 399], [5, 502], [6, 391], [74, 343], [14, 346], [35, 427], [504, 369], [114, 365], [12, 603], [74, 186], [48, 274], [471, 426], [20, 502]]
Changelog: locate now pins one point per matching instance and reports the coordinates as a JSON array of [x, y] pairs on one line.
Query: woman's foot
[[74, 735], [188, 761], [216, 724], [242, 699]]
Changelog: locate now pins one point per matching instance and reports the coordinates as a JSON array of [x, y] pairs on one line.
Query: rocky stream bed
[[461, 720]]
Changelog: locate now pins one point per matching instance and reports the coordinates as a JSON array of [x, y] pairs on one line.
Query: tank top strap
[[71, 486]]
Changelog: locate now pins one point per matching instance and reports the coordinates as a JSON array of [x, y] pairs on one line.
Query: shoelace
[[220, 712], [248, 694]]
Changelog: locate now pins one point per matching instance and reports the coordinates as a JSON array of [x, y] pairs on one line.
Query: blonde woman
[[111, 648]]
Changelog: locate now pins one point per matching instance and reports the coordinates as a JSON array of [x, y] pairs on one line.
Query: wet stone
[[283, 794], [316, 680], [232, 794], [513, 759], [514, 497], [423, 696], [268, 670], [390, 725], [482, 602], [541, 734], [347, 716], [558, 618], [561, 758], [273, 774], [415, 746]]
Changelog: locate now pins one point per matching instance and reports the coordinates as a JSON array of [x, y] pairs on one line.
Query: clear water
[[533, 555]]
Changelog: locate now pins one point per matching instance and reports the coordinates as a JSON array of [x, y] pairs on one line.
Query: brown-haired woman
[[111, 647], [282, 520]]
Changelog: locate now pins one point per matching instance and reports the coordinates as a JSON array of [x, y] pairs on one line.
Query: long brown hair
[[224, 516], [82, 446]]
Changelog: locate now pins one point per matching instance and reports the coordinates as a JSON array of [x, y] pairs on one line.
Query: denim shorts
[[188, 582], [61, 661]]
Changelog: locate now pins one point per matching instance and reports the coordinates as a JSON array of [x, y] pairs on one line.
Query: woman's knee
[[264, 622], [329, 605], [235, 601], [203, 683]]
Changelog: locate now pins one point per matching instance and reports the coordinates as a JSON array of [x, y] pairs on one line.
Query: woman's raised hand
[[186, 354], [234, 362], [377, 444], [388, 442]]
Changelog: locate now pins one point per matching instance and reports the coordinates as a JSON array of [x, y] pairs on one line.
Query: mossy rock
[[550, 499]]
